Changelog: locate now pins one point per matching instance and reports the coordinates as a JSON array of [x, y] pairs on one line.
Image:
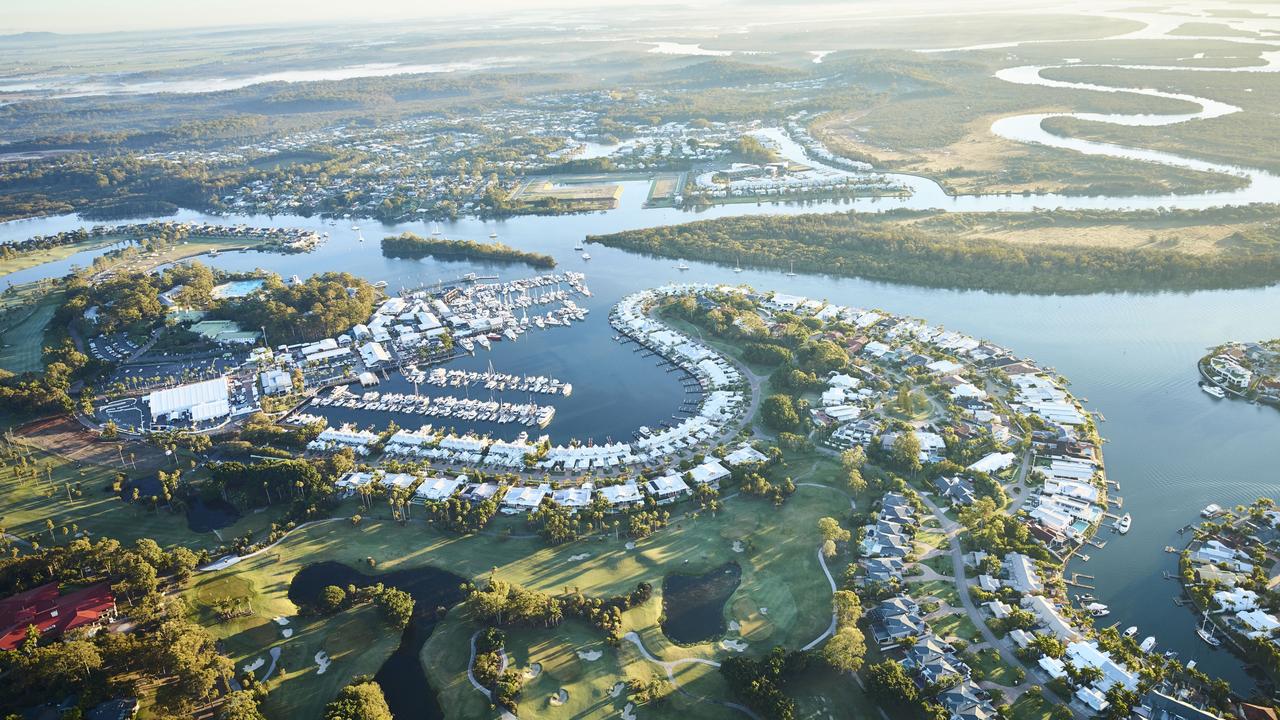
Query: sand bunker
[[628, 712], [322, 659], [590, 655], [255, 665], [734, 626], [630, 545], [733, 645], [533, 671], [738, 546], [764, 611], [281, 620], [287, 632], [579, 557], [561, 697], [617, 689]]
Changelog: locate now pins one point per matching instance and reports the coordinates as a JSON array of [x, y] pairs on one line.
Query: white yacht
[[1206, 633], [1213, 390], [1123, 524], [682, 266], [586, 256]]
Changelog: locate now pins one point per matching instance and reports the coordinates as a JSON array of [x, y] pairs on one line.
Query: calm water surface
[[1172, 448]]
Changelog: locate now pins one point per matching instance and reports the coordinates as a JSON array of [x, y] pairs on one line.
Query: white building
[[276, 382], [197, 402]]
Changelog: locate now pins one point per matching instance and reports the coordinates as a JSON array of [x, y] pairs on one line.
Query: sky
[[81, 16]]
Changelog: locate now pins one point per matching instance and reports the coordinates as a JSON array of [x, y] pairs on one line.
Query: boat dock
[[445, 407], [491, 380]]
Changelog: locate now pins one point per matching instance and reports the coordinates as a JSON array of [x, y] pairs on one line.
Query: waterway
[[1172, 448], [401, 676]]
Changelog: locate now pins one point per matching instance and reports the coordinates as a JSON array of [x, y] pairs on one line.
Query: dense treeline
[[878, 248], [409, 245], [762, 683], [506, 604], [322, 306]]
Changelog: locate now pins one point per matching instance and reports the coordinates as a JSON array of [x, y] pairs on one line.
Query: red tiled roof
[[51, 613]]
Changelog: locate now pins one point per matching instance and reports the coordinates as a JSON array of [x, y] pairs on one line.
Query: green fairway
[[39, 257], [783, 599], [22, 336]]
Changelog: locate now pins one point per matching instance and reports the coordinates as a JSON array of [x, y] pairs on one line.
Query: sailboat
[[435, 229], [792, 271], [737, 265], [1206, 633]]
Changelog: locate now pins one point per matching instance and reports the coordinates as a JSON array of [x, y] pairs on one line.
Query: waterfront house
[[1081, 654], [1049, 619], [1023, 576], [1053, 666], [994, 462], [1257, 623], [1236, 600], [1156, 705], [1091, 698]]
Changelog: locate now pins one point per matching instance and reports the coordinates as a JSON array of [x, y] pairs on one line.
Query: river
[[1172, 448]]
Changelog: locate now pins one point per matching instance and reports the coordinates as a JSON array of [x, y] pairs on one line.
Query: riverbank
[[903, 247]]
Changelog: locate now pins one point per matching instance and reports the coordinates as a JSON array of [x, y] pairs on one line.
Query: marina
[[440, 407]]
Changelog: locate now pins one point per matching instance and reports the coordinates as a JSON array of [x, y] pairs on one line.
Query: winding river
[[1172, 448]]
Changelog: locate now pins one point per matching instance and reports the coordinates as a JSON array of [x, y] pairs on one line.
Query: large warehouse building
[[196, 403]]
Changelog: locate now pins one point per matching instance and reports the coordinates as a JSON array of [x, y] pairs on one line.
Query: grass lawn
[[22, 337], [40, 257], [932, 538], [988, 662], [1031, 706], [783, 599], [940, 564], [937, 588], [28, 502], [956, 625]]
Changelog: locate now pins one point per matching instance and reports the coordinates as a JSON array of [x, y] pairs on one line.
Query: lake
[[693, 605], [401, 676]]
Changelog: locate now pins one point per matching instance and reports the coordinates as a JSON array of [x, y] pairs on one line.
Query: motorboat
[[493, 235], [586, 256], [1097, 610], [1130, 631], [1213, 390], [1124, 523], [682, 266], [1147, 643], [1211, 510]]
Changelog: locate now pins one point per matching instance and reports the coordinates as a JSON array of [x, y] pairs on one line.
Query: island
[[408, 245]]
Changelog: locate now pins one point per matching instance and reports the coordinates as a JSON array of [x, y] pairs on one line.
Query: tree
[[779, 413], [831, 530], [361, 700], [396, 606], [241, 705], [332, 598], [847, 606], [890, 684], [853, 458], [845, 650], [906, 451]]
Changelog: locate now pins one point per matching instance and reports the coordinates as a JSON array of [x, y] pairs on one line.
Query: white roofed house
[[524, 499], [373, 353], [709, 473], [667, 489], [1023, 576], [433, 489], [744, 455], [573, 498], [621, 496], [994, 462]]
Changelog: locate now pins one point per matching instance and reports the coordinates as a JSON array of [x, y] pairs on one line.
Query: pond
[[401, 676], [207, 515], [693, 605]]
